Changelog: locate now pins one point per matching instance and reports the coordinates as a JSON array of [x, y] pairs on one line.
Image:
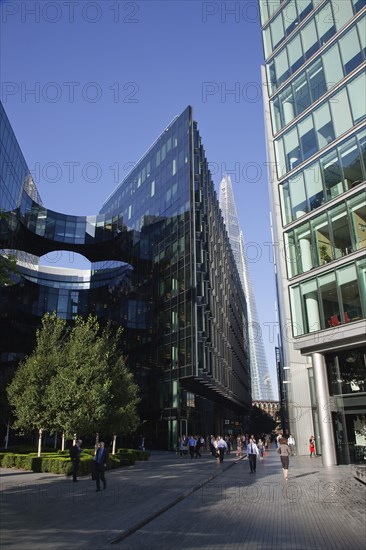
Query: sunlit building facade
[[161, 267], [261, 385], [315, 112]]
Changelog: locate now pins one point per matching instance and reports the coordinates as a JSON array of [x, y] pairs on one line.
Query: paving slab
[[171, 501]]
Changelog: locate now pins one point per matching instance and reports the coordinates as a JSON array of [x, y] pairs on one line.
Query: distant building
[[260, 378], [315, 111], [161, 267]]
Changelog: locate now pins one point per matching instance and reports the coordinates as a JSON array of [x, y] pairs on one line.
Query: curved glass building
[[161, 267]]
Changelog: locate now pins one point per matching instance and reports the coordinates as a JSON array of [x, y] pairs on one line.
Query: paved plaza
[[173, 502]]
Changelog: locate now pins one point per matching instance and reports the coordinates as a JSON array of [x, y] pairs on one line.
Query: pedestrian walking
[[291, 444], [252, 453], [284, 452], [199, 444], [221, 447], [101, 463], [312, 446], [239, 442], [260, 446], [75, 452], [191, 445]]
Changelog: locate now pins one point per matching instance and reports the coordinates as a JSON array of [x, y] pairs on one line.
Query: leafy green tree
[[28, 392], [93, 390], [260, 422]]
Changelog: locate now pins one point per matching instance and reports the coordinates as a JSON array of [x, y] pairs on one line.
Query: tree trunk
[[63, 442], [55, 443], [114, 445], [7, 434], [39, 442]]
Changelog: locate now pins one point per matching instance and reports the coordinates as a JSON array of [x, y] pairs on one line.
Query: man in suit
[[75, 458], [252, 453], [101, 462]]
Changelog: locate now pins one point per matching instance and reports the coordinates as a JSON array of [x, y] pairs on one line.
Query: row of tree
[[75, 382]]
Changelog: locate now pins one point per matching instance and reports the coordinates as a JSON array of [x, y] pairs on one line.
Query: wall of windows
[[332, 235], [336, 171], [328, 121], [320, 76], [332, 299], [324, 24]]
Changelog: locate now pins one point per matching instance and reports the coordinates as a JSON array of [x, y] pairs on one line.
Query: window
[[282, 67], [307, 137], [341, 113], [298, 196], [309, 39], [357, 207], [342, 13], [350, 294], [314, 185], [310, 306], [301, 94], [350, 50], [332, 66], [358, 4], [323, 125], [286, 101], [317, 80], [323, 240], [295, 55], [304, 240], [325, 23], [292, 149], [332, 174], [357, 91], [350, 162], [329, 300], [277, 31], [341, 232]]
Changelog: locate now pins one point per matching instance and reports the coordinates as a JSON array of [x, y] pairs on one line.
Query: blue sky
[[89, 85]]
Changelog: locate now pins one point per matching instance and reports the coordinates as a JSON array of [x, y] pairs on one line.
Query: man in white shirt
[[252, 453], [221, 447], [291, 444]]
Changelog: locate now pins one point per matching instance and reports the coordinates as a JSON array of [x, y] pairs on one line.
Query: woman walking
[[284, 452]]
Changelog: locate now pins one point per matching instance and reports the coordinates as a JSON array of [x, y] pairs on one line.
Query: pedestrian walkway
[[171, 501]]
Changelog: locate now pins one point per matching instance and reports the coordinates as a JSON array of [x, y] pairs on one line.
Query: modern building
[[315, 112], [259, 373], [161, 267]]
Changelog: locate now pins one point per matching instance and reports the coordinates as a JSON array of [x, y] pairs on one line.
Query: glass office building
[[315, 112], [161, 267], [259, 373]]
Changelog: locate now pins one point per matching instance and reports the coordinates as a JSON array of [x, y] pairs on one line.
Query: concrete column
[[312, 311], [305, 250], [325, 416]]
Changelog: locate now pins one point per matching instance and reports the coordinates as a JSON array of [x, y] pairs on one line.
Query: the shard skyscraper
[[260, 378]]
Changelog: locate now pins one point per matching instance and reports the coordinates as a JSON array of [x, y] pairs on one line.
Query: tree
[[93, 390], [260, 422], [28, 392]]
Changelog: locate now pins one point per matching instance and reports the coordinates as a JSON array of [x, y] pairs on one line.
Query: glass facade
[[315, 52], [162, 268]]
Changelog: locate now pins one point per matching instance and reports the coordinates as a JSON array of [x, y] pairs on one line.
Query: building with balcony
[[161, 267], [315, 113]]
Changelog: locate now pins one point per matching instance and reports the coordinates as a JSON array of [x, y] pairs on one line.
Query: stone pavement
[[173, 502]]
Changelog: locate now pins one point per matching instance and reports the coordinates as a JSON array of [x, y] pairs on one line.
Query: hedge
[[59, 463]]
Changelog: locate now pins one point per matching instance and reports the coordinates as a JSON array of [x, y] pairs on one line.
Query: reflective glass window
[[357, 95], [325, 23], [342, 12], [307, 137], [358, 5], [302, 97], [323, 125], [290, 16], [304, 7], [296, 311], [277, 30], [350, 50], [323, 240], [350, 294], [282, 67], [317, 80], [361, 136], [295, 55], [332, 66], [276, 118], [361, 27], [340, 231], [309, 39], [292, 149], [332, 174], [291, 254], [329, 300], [341, 113], [298, 196], [267, 42], [350, 162], [280, 157], [314, 185], [357, 208]]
